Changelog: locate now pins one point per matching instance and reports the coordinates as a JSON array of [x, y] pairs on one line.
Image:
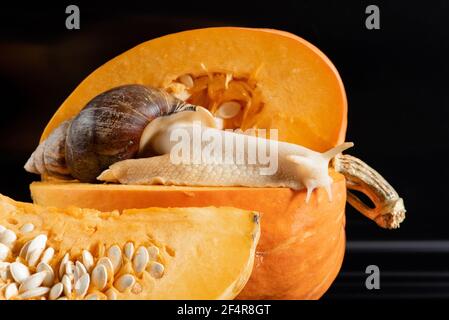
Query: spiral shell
[[107, 130]]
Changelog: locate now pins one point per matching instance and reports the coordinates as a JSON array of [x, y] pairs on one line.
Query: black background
[[396, 80]]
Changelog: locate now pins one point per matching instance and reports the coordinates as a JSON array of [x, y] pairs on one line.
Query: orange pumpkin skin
[[301, 252], [301, 246]]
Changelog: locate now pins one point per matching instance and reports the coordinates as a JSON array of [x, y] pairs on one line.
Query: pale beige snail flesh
[[123, 134]]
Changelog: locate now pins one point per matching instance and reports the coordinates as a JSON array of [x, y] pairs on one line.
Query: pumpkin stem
[[389, 210]]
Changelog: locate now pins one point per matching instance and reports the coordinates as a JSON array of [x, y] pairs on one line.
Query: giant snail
[[123, 136], [107, 130]]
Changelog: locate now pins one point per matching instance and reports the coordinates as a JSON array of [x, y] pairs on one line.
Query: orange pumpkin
[[281, 82]]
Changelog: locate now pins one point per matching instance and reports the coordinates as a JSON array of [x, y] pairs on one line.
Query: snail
[[108, 129], [303, 168], [103, 141], [136, 121], [295, 166]]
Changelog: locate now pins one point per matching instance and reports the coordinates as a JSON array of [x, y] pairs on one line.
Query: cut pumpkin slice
[[282, 81], [155, 253]]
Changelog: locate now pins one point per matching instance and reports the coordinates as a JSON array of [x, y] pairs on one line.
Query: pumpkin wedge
[[139, 254]]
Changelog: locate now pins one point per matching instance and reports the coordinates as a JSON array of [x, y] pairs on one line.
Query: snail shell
[[107, 130]]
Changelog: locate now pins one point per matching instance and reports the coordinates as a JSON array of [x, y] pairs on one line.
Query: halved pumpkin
[[188, 253], [301, 92], [301, 246], [283, 82]]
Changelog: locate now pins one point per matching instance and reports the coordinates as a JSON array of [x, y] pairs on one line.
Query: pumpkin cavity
[[233, 100]]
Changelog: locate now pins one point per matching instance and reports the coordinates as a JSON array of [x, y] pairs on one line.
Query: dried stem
[[389, 210]]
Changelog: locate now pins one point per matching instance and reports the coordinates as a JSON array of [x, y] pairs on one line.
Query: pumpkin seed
[[153, 252], [5, 273], [64, 260], [82, 285], [32, 281], [228, 79], [27, 227], [228, 110], [4, 265], [141, 259], [7, 237], [108, 264], [35, 249], [69, 268], [56, 291], [115, 254], [24, 250], [50, 275], [38, 243], [124, 282], [33, 257], [62, 298], [67, 284], [129, 250], [88, 260], [182, 95], [19, 271], [11, 291], [4, 251], [111, 294], [80, 267], [2, 228], [100, 277], [156, 270], [34, 293], [48, 255], [80, 270], [92, 296], [186, 80]]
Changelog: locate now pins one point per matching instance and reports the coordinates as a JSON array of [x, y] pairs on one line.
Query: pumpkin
[[251, 78], [139, 254]]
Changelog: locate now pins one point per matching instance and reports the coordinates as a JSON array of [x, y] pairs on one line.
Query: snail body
[[297, 167], [107, 130], [134, 121]]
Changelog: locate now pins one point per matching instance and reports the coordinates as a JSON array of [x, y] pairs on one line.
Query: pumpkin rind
[[193, 244]]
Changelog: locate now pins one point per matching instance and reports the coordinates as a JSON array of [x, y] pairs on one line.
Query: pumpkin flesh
[[193, 244]]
